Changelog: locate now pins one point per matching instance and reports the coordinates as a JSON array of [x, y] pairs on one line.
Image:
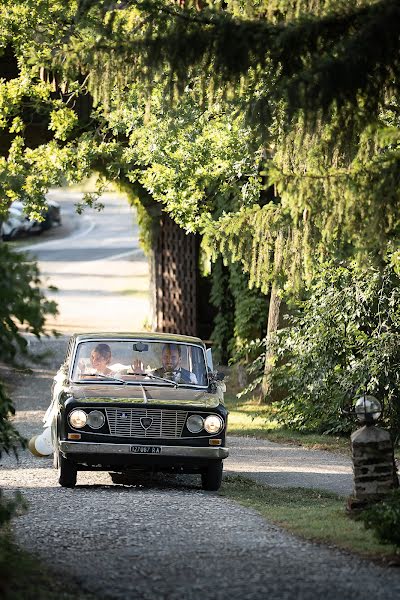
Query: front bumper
[[113, 449]]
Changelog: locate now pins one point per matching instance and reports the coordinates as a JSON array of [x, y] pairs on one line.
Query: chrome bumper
[[178, 451]]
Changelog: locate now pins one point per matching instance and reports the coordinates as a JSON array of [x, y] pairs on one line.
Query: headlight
[[195, 423], [77, 419], [213, 424], [95, 419]]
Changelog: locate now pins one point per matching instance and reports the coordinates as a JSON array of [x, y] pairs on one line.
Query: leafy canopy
[[268, 127]]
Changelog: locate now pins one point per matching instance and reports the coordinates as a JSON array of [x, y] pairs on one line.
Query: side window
[[197, 365], [69, 351]]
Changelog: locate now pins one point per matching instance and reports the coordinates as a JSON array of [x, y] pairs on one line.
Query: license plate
[[146, 449]]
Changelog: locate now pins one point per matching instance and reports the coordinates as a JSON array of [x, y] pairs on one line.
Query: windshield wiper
[[174, 383], [104, 377]]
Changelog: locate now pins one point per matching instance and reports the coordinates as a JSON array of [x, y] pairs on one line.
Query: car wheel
[[67, 472], [211, 479]]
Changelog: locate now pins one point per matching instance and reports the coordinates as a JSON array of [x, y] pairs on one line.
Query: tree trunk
[[273, 322]]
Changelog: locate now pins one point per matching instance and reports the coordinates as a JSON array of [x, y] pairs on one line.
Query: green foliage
[[320, 53], [271, 128], [251, 309], [23, 307], [172, 87], [242, 312], [221, 298], [341, 342], [10, 439], [22, 303], [9, 507], [62, 122], [384, 519]]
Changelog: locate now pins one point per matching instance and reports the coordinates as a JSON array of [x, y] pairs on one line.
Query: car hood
[[145, 394]]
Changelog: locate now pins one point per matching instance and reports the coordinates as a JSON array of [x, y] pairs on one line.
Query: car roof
[[143, 335]]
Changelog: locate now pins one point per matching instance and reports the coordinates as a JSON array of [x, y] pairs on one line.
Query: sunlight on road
[[290, 468], [33, 478], [100, 272]]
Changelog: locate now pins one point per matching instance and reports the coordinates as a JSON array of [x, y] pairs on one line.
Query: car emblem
[[146, 422], [123, 416]]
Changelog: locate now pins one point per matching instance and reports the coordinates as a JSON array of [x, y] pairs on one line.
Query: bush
[[384, 519], [341, 342], [241, 312], [23, 305]]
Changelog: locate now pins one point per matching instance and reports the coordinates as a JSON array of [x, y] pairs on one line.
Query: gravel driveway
[[167, 539], [286, 465]]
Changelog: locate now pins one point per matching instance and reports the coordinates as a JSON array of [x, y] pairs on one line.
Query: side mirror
[[214, 378]]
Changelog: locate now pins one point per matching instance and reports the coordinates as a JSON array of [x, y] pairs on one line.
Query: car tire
[[211, 479], [67, 472]]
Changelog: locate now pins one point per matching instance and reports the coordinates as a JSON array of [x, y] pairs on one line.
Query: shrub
[[341, 342], [23, 306], [384, 519]]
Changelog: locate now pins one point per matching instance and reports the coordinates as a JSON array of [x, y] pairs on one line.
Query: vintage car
[[138, 402]]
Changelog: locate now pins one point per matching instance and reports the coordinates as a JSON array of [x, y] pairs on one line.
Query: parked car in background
[[52, 215], [18, 223], [149, 402], [15, 224]]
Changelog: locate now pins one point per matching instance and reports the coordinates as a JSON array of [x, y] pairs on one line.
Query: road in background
[[96, 264]]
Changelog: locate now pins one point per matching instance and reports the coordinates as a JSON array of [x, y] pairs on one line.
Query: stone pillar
[[373, 466]]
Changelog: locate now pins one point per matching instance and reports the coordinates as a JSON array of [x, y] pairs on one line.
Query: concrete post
[[373, 466]]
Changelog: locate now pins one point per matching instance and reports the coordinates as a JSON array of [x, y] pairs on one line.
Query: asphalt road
[[95, 262]]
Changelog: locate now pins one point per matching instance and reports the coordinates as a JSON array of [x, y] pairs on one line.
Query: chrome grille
[[127, 422]]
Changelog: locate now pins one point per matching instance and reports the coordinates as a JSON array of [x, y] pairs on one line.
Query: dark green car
[[126, 403]]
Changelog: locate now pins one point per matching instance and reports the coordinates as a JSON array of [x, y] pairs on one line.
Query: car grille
[[146, 422]]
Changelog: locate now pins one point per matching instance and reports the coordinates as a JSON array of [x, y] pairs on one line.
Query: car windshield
[[140, 361]]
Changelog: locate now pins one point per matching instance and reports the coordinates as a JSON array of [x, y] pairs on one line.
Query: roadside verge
[[314, 515]]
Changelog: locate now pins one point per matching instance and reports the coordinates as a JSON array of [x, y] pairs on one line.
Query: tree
[[317, 83]]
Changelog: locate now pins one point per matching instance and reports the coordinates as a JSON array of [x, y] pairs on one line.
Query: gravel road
[[285, 465], [167, 539]]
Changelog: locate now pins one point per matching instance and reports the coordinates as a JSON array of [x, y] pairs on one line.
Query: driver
[[171, 366]]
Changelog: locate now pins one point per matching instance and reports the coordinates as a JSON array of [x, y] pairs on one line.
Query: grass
[[312, 514], [23, 577], [249, 418]]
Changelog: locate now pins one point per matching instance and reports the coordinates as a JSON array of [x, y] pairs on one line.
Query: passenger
[[100, 358]]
